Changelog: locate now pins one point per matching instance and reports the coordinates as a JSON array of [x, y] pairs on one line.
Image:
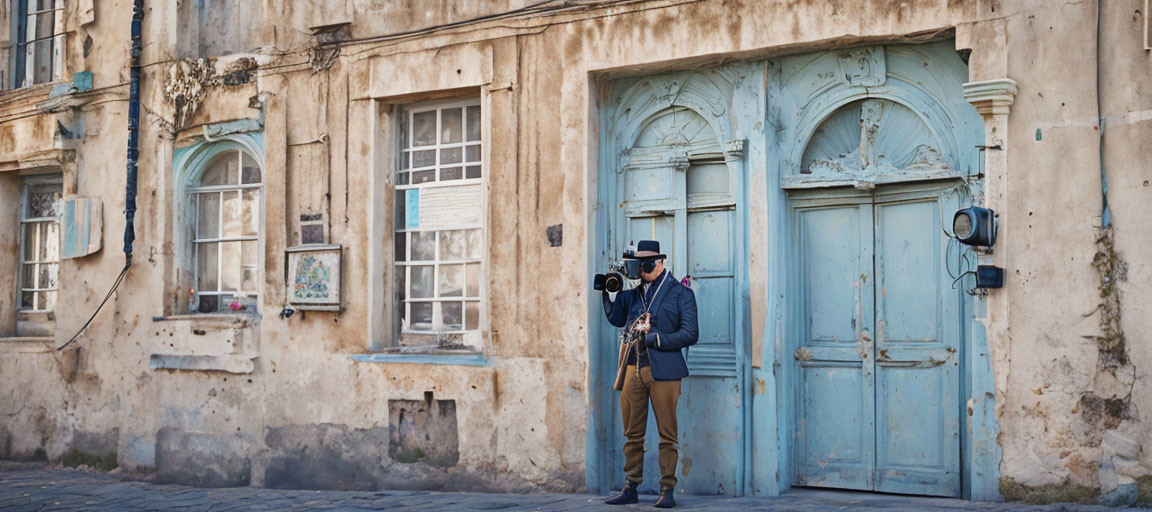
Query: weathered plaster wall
[[521, 419]]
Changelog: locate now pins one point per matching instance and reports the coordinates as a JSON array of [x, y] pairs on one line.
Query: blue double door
[[876, 369]]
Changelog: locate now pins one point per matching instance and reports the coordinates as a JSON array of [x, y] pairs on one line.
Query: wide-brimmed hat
[[649, 249]]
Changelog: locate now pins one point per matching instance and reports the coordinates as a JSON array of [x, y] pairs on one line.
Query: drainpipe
[[133, 132], [1105, 212]]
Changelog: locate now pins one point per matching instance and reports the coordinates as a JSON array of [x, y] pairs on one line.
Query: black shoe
[[627, 495], [666, 500]]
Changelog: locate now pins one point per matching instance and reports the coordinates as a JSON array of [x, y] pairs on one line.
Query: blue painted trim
[[215, 130], [447, 359], [190, 162]]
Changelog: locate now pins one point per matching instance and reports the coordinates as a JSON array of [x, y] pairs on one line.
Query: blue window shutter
[[81, 227]]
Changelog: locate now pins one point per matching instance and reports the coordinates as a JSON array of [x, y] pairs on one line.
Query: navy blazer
[[674, 316]]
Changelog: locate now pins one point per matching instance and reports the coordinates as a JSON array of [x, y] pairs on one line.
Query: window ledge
[[219, 320], [27, 344], [238, 363], [448, 358]]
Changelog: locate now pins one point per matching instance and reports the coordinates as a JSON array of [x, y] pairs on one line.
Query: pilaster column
[[993, 100]]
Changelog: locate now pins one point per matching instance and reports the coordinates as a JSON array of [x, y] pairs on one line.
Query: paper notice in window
[[450, 207]]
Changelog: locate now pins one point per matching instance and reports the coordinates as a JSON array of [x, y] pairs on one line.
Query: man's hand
[[643, 323], [651, 338]]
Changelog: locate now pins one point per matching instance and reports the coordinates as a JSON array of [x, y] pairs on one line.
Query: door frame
[[635, 101]]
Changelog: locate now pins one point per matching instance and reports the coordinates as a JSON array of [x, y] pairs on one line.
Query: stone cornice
[[991, 97]]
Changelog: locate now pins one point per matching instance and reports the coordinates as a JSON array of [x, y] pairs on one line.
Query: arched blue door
[[675, 180], [876, 160]]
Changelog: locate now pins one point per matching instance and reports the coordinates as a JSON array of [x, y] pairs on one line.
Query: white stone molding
[[991, 97]]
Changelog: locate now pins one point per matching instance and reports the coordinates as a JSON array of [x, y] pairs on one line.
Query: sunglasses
[[648, 265]]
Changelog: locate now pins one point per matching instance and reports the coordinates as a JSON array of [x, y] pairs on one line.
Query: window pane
[[27, 300], [424, 246], [423, 176], [474, 122], [42, 200], [472, 153], [426, 158], [452, 315], [475, 244], [473, 172], [28, 275], [208, 223], [404, 133], [231, 225], [400, 244], [421, 286], [401, 211], [452, 173], [452, 245], [31, 241], [451, 280], [251, 200], [424, 129], [451, 125], [230, 262], [49, 242], [449, 156], [421, 316], [404, 158], [472, 316], [402, 179], [473, 289], [250, 272], [251, 170], [402, 289], [207, 267], [222, 171], [47, 274]]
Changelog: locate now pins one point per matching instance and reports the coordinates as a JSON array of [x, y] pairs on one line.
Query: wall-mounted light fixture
[[975, 226]]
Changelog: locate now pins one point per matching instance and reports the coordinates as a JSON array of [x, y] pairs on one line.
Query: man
[[660, 316]]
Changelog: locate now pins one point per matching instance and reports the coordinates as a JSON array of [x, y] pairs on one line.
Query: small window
[[226, 233], [39, 243], [35, 46], [439, 242]]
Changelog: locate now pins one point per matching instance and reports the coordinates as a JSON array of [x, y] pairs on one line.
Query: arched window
[[226, 233]]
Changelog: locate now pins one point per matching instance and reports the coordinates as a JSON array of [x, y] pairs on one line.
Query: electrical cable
[[115, 285]]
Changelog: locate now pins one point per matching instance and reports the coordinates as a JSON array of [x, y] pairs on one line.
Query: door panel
[[907, 258], [830, 249], [918, 383], [835, 434], [710, 444]]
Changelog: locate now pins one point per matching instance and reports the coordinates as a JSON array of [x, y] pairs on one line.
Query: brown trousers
[[634, 398]]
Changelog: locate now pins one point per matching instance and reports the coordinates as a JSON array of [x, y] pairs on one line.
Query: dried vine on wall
[[190, 79], [1110, 270]]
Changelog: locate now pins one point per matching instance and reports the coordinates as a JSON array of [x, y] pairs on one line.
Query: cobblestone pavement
[[33, 487]]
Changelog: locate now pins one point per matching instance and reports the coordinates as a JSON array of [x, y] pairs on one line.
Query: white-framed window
[[226, 233], [36, 44], [439, 223], [39, 243]]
